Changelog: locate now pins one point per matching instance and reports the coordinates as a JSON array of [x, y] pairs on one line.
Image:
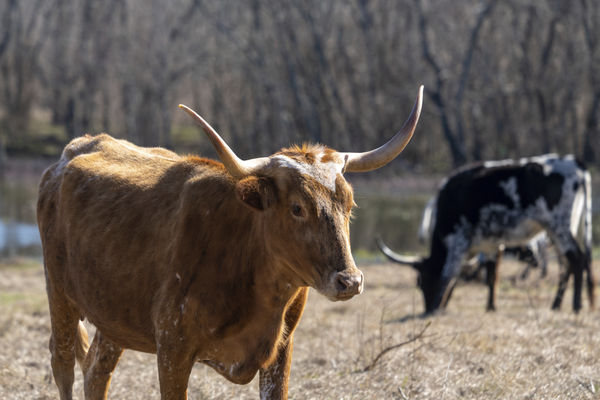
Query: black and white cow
[[532, 252], [484, 207]]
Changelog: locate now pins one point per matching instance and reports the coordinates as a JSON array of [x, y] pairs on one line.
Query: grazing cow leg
[[64, 319], [100, 362], [273, 380], [525, 273], [543, 259], [575, 264], [576, 260], [591, 282], [492, 279], [563, 280]]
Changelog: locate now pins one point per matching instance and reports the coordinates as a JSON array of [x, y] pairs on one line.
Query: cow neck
[[233, 255], [274, 284], [437, 254]]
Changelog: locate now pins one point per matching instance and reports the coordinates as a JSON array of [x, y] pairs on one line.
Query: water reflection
[[394, 218], [18, 231], [17, 237]]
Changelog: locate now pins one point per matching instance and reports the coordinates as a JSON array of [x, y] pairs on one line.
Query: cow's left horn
[[237, 167], [370, 160], [414, 261]]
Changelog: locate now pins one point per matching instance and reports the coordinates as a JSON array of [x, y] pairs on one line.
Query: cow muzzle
[[347, 284]]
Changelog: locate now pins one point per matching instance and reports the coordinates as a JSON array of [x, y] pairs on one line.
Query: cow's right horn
[[237, 167], [370, 160]]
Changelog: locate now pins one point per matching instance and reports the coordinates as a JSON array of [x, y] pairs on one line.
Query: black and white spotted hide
[[532, 252], [485, 207]]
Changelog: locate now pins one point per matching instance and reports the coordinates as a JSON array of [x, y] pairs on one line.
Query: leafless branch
[[394, 347]]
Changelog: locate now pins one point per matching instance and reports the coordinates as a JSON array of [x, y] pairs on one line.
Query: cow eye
[[297, 210]]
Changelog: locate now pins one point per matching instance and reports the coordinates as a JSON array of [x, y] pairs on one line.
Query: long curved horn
[[370, 160], [404, 260], [237, 167]]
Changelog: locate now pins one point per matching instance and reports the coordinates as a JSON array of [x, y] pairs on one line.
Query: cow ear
[[258, 193]]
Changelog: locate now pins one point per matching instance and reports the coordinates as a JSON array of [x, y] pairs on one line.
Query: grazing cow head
[[436, 291], [303, 203]]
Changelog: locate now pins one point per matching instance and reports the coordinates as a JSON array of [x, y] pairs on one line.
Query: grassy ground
[[522, 351]]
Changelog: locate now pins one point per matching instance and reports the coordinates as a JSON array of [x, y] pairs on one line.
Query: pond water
[[18, 235], [396, 219], [393, 217], [18, 231]]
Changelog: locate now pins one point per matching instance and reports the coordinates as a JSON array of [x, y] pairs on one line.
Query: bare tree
[[504, 78], [448, 106], [590, 20], [25, 34]]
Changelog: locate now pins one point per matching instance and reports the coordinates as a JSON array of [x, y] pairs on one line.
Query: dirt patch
[[523, 350]]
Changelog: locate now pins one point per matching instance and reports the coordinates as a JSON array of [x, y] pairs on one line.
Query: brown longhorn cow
[[193, 259]]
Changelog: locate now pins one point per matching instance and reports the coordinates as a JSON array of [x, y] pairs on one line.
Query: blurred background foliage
[[503, 78]]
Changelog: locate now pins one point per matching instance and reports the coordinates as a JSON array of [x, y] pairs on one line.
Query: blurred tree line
[[503, 78]]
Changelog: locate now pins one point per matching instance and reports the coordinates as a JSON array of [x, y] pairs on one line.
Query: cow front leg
[[175, 362], [273, 380], [492, 280], [98, 366]]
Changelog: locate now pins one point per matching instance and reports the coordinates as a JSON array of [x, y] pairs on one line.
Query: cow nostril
[[341, 283]]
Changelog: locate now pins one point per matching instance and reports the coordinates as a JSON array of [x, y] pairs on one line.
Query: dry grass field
[[521, 351]]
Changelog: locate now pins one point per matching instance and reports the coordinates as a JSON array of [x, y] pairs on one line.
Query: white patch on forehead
[[323, 172]]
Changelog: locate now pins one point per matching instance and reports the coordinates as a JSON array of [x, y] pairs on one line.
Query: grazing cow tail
[[81, 343], [587, 232]]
